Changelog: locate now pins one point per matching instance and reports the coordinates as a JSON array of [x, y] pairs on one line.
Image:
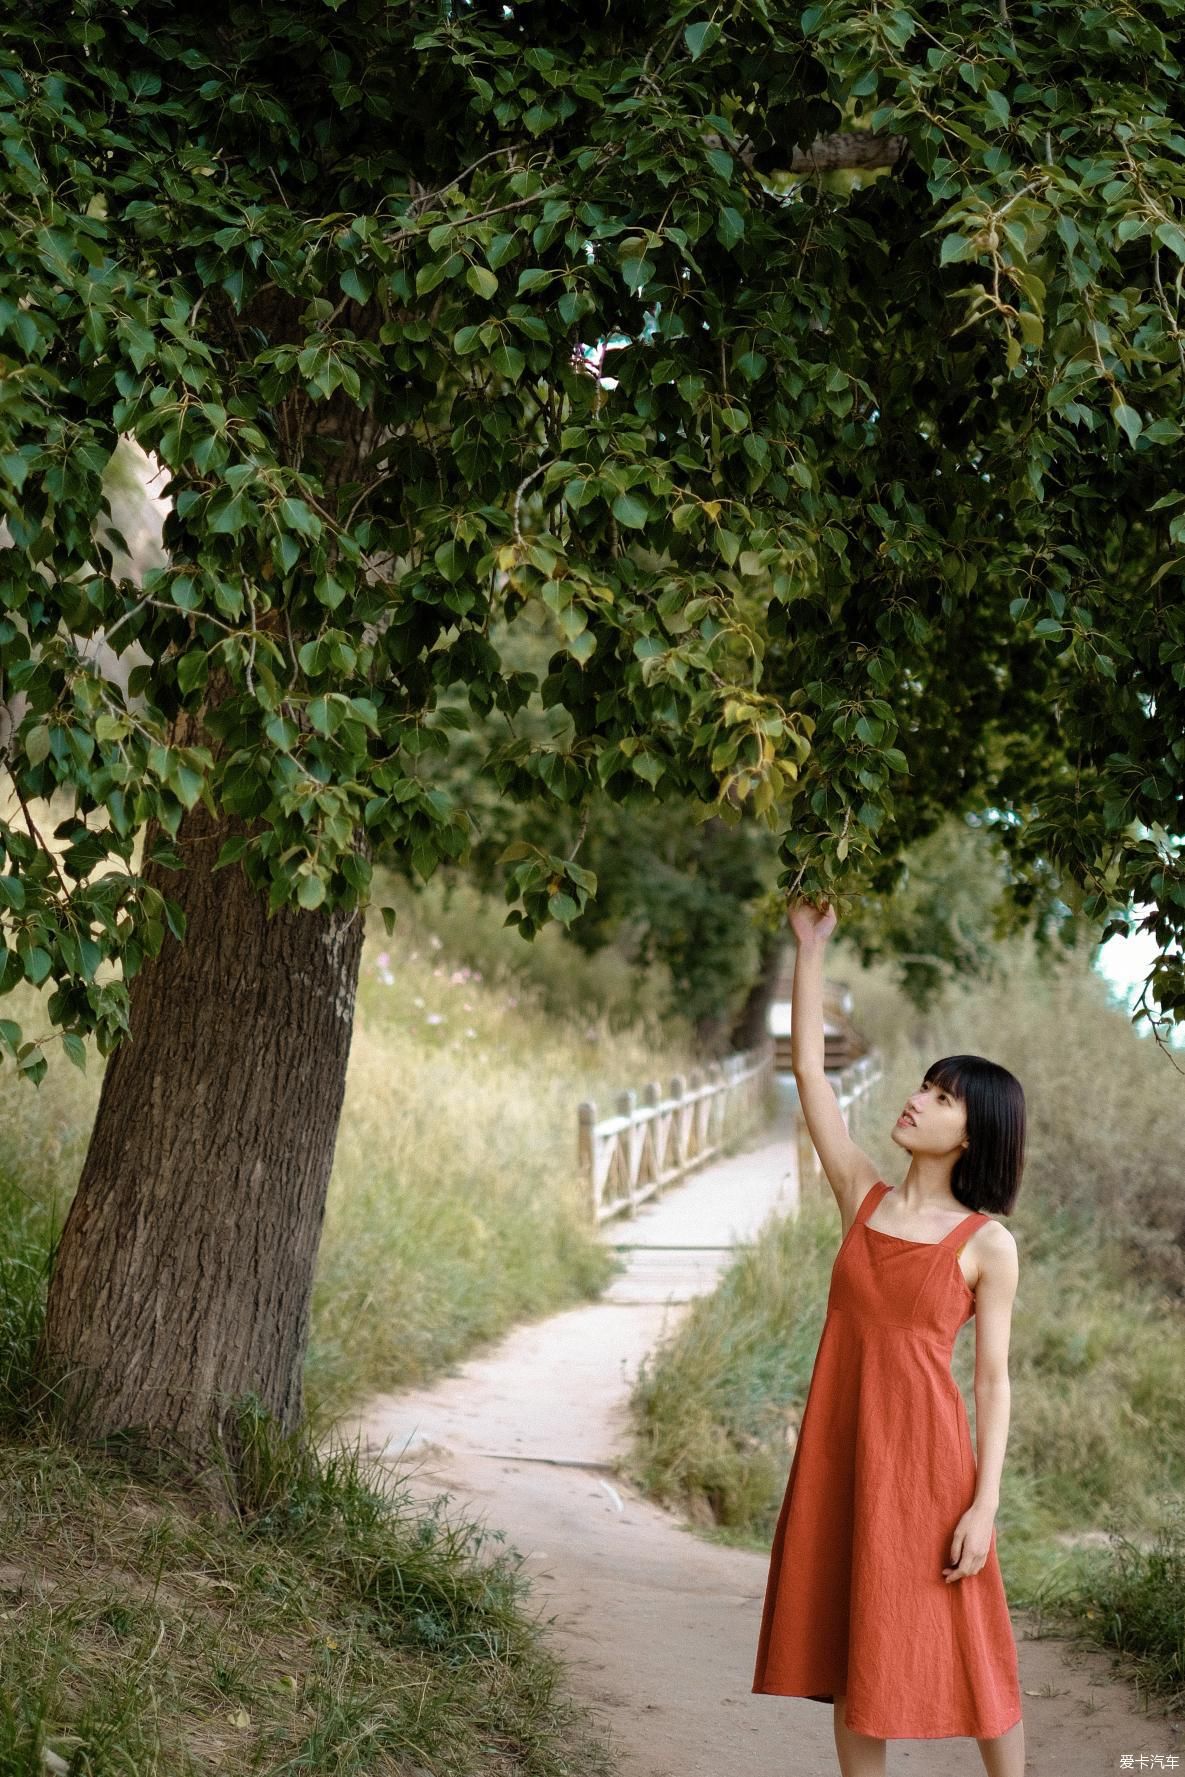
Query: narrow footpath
[[658, 1626]]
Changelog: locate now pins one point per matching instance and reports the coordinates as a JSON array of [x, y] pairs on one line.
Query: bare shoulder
[[997, 1259]]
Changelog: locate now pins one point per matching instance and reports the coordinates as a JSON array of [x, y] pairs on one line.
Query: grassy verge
[[1090, 1514], [327, 1628]]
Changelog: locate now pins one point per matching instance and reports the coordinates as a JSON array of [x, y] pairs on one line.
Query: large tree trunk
[[184, 1274]]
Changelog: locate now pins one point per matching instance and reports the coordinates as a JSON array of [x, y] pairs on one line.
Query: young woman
[[884, 1595]]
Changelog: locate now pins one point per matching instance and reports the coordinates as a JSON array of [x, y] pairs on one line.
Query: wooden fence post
[[586, 1152], [626, 1101], [652, 1144]]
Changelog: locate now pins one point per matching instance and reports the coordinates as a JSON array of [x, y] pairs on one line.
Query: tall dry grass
[[455, 1207]]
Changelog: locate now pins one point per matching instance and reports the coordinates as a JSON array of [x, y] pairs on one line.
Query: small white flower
[[470, 1033], [417, 1001], [387, 978], [434, 1018]]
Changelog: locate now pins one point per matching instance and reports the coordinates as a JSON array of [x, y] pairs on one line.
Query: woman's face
[[934, 1121]]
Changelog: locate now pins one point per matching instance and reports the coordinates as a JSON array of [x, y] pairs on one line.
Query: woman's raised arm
[[849, 1169]]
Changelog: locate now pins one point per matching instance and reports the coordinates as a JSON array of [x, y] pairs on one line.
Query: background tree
[[878, 519], [952, 911]]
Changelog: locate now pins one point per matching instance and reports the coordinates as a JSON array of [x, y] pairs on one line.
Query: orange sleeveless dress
[[882, 1472]]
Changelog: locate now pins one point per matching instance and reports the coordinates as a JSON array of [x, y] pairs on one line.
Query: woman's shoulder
[[995, 1253], [992, 1235]]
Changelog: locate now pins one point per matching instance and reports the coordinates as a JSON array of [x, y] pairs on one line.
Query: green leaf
[[297, 515], [955, 248], [649, 767], [480, 279], [509, 361], [700, 36], [1032, 328], [37, 744], [328, 591], [1172, 236], [562, 907], [75, 1048], [311, 892], [629, 509], [12, 893], [232, 850], [229, 516], [37, 963], [450, 559], [428, 276], [186, 784], [31, 1062], [730, 226], [999, 104], [354, 285], [637, 273], [192, 671]]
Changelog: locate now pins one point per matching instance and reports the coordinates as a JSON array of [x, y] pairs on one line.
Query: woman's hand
[[811, 924], [970, 1545]]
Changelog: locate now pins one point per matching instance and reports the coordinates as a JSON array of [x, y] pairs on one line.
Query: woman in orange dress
[[884, 1595]]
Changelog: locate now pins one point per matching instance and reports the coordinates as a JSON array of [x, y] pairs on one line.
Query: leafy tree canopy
[[878, 521]]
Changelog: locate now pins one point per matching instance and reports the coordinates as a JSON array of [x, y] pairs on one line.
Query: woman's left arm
[[995, 1292]]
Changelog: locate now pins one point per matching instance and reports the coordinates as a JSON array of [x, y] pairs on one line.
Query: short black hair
[[987, 1174]]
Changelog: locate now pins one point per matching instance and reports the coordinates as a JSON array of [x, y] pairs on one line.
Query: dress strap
[[965, 1229], [870, 1200]]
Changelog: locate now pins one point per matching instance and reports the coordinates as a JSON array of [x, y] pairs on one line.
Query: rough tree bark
[[184, 1273]]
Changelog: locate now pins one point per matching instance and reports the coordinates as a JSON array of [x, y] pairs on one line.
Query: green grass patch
[[326, 1626]]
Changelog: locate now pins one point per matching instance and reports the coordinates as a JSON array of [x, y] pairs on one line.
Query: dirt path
[[659, 1626]]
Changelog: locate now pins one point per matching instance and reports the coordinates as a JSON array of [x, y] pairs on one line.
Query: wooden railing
[[850, 1084], [656, 1138]]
